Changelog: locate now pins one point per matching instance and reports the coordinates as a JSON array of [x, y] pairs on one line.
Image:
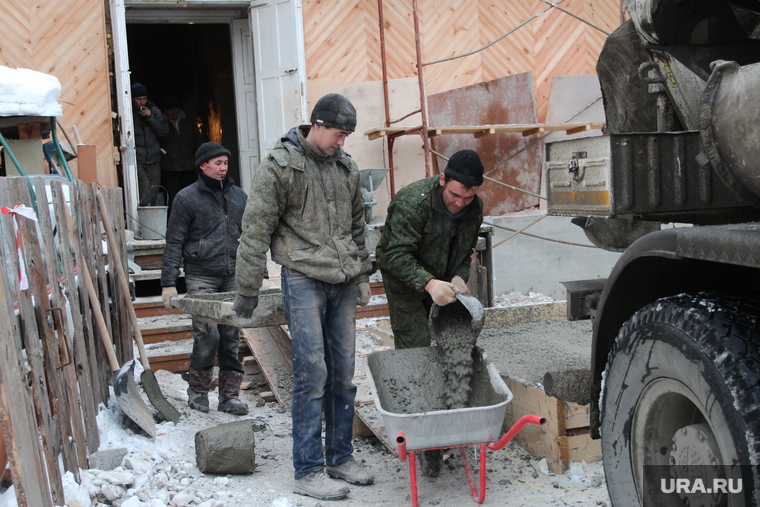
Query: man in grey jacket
[[149, 125], [306, 206]]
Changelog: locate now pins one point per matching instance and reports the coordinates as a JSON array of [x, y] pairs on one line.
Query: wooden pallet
[[486, 130], [563, 439]]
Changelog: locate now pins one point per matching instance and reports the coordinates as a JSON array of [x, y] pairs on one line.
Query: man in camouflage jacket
[[425, 247], [306, 206]]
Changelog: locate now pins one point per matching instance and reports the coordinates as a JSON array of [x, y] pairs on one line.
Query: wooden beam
[[276, 368]]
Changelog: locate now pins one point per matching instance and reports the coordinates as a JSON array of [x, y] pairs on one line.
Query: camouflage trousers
[[409, 312]]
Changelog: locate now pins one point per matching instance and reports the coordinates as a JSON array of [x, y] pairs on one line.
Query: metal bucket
[[152, 221]]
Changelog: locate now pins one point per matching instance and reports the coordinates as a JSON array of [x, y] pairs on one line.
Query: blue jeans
[[210, 338], [322, 322]]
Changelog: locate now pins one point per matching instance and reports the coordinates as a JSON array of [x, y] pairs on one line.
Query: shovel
[[150, 384], [124, 388]]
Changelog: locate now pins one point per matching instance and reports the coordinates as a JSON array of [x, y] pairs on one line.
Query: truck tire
[[688, 363]]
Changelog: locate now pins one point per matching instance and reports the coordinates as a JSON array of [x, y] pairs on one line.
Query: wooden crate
[[563, 439]]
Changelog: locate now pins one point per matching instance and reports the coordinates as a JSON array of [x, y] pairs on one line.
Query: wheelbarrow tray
[[408, 389], [217, 307]]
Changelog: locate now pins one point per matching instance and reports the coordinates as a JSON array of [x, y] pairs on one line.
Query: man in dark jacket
[[425, 250], [149, 125], [204, 228], [178, 168]]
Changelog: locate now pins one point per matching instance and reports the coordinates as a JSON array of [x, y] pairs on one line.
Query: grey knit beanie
[[335, 111], [207, 151], [465, 167]]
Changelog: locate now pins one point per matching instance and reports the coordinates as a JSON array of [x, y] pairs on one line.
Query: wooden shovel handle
[[122, 277], [95, 303]]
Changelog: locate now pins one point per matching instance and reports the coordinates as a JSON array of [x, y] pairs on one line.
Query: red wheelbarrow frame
[[479, 497]]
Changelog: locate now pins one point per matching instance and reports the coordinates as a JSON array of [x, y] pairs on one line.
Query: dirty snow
[[162, 472]]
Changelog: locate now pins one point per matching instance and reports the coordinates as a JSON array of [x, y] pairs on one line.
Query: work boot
[[229, 392], [318, 485], [431, 463], [199, 386], [351, 472]]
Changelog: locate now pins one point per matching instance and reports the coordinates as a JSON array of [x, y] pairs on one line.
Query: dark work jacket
[[147, 132], [201, 232], [180, 145]]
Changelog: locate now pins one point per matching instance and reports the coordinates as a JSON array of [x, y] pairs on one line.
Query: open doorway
[[194, 63]]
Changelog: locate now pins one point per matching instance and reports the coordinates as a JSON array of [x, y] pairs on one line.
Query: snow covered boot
[[229, 392], [197, 392]]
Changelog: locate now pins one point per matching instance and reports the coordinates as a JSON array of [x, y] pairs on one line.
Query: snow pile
[[25, 92]]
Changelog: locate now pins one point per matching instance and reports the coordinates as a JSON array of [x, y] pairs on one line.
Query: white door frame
[[214, 11]]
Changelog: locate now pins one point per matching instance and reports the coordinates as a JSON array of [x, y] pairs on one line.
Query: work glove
[[167, 293], [245, 305], [461, 286], [443, 293], [363, 293]]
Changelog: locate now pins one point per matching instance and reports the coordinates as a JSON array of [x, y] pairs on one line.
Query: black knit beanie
[[334, 111], [139, 90], [466, 168], [207, 151]]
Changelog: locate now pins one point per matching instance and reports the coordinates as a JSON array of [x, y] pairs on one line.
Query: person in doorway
[[183, 139], [204, 229], [148, 126], [425, 250], [306, 206]]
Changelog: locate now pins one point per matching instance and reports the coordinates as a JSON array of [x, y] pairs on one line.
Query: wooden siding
[[66, 38], [343, 40]]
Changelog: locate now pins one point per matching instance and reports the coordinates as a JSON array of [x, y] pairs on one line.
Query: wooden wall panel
[[66, 38], [343, 42]]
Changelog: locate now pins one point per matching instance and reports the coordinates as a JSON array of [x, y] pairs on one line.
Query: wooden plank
[[17, 414], [53, 320], [275, 367], [485, 130], [372, 311], [94, 351], [18, 193], [371, 418], [584, 448], [529, 400], [283, 341], [85, 378], [576, 416]]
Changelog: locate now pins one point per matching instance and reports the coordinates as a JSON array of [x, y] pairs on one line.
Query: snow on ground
[[162, 472]]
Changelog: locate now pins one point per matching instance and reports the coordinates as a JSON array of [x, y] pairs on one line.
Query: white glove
[[443, 293], [363, 293], [458, 282], [167, 294]]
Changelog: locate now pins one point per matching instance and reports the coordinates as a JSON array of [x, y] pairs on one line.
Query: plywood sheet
[[510, 158]]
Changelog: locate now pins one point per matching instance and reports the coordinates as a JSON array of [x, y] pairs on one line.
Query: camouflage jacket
[[309, 210], [414, 245]]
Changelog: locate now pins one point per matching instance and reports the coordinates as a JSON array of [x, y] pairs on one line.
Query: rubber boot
[[229, 392], [199, 386], [431, 462]]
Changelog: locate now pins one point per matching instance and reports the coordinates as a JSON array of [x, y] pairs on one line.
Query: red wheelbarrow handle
[[526, 419]]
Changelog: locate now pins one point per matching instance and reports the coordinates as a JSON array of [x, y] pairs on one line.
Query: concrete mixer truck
[[674, 184]]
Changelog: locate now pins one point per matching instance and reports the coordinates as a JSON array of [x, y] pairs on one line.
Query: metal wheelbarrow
[[409, 390]]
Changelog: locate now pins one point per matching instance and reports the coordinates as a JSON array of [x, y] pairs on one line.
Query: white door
[[280, 69], [245, 101]]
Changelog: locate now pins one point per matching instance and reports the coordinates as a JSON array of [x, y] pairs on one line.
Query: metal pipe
[[401, 442], [20, 170], [526, 419], [59, 150], [423, 97], [386, 97]]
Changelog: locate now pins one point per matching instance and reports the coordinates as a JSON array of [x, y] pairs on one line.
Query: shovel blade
[[130, 401], [156, 397]]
